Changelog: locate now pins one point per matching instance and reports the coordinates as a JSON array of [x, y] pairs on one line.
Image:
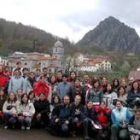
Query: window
[[25, 64]]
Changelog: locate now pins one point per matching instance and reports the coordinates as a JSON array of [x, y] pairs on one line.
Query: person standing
[[64, 88]]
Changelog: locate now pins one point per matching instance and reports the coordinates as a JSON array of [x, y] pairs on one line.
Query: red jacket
[[41, 88], [102, 115], [3, 79]]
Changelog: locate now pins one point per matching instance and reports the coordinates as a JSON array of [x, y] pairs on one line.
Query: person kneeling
[[10, 111], [120, 117], [42, 108], [60, 117], [26, 112]]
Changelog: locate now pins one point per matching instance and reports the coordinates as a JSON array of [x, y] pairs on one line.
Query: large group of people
[[69, 105]]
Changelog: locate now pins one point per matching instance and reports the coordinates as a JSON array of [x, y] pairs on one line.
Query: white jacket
[[14, 109], [27, 109]]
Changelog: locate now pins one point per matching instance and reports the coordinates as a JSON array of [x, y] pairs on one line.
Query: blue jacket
[[64, 89], [15, 84], [132, 96], [120, 117]]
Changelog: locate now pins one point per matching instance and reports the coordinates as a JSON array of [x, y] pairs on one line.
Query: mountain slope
[[18, 37], [113, 35]]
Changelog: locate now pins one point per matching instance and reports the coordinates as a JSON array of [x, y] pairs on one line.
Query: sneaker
[[28, 128], [5, 127], [73, 134], [86, 138], [13, 126], [22, 127]]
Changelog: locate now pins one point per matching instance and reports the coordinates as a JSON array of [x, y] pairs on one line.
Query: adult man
[[61, 116], [42, 108], [41, 86], [64, 88], [77, 114]]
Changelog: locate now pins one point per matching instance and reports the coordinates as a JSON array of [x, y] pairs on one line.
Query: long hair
[[23, 97], [15, 98], [110, 91], [113, 83], [132, 87], [119, 90]]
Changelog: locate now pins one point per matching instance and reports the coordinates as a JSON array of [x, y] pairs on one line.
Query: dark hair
[[137, 110], [119, 90], [65, 75], [23, 97], [111, 88], [102, 102], [25, 69], [119, 101], [95, 81], [113, 83], [31, 93], [73, 72], [54, 98], [38, 70], [1, 89], [103, 77], [45, 68], [18, 63], [42, 77], [17, 70], [59, 71], [77, 79], [15, 97], [132, 86]]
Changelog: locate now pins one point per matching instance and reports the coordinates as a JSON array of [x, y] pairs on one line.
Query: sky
[[70, 18]]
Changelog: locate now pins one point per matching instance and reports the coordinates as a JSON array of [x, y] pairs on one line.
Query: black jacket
[[42, 107]]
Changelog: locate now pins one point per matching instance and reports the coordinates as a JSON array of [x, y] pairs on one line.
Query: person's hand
[[124, 126], [37, 98], [77, 112], [92, 122], [57, 120], [67, 122], [14, 115], [38, 115]]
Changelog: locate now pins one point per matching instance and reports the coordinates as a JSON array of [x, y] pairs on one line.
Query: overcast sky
[[70, 18]]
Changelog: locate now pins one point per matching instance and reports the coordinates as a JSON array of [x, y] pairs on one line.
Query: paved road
[[33, 134]]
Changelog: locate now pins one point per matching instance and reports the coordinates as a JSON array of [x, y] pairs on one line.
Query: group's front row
[[65, 118]]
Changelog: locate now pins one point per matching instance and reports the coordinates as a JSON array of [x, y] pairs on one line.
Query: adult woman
[[122, 96], [53, 86], [10, 110], [31, 96], [26, 112], [95, 94], [110, 96], [120, 117], [78, 90], [72, 77], [115, 85], [103, 118], [3, 98], [133, 98], [55, 102]]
